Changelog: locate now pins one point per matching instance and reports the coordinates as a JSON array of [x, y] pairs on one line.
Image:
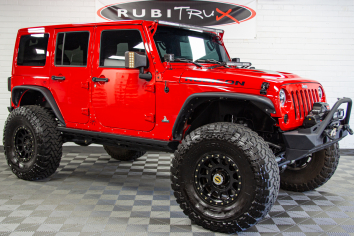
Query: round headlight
[[320, 92], [282, 97]]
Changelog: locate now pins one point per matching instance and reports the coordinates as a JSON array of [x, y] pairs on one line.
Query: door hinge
[[150, 88], [158, 77], [85, 111], [150, 117], [85, 85]]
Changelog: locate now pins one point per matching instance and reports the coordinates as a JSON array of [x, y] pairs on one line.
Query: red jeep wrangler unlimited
[[134, 86]]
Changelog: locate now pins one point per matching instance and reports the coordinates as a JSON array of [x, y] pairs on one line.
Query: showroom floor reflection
[[92, 194]]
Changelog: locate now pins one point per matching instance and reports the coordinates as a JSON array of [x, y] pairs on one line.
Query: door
[[120, 98], [71, 72]]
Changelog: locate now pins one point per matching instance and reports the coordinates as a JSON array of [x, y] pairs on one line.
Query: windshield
[[188, 44]]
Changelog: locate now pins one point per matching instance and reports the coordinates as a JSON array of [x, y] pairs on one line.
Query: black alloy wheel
[[224, 176], [24, 144], [217, 179]]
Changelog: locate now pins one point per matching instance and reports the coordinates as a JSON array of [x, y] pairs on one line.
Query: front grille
[[303, 101]]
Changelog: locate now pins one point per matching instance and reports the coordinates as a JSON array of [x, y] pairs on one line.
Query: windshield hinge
[[264, 87], [167, 89]]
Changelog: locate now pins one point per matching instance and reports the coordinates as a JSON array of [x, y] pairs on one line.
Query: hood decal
[[214, 81]]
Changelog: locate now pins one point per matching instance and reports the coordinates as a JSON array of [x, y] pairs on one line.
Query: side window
[[32, 50], [72, 48], [114, 44]]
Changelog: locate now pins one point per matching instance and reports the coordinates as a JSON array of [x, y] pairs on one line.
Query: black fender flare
[[17, 92], [194, 100]]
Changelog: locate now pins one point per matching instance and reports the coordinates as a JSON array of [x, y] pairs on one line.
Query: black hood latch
[[264, 87]]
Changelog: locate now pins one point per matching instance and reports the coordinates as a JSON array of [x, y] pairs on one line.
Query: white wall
[[16, 14], [312, 38]]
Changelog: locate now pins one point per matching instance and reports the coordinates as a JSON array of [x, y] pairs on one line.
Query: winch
[[317, 114]]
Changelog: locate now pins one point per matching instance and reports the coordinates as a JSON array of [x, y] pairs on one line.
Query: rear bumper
[[301, 142]]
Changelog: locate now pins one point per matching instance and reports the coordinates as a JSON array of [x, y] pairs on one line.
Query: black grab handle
[[96, 79], [58, 77]]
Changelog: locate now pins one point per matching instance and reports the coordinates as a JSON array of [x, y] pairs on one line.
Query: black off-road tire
[[313, 174], [123, 154], [258, 169], [32, 143]]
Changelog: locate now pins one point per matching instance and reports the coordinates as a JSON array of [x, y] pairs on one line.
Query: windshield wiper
[[218, 65], [224, 63], [209, 61], [189, 61]]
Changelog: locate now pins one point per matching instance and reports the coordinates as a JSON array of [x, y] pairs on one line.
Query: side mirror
[[235, 59], [135, 60]]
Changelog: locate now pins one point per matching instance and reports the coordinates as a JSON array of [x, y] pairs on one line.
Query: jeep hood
[[239, 78]]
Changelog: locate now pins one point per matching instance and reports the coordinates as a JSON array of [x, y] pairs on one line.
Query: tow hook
[[330, 133], [333, 132], [347, 128]]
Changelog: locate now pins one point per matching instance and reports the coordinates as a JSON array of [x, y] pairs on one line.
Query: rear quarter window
[[72, 48], [32, 50]]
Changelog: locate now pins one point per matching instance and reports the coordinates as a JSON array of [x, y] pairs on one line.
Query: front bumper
[[304, 141]]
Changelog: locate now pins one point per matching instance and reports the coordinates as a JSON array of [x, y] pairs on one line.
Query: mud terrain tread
[[330, 165], [48, 138], [263, 164], [122, 154]]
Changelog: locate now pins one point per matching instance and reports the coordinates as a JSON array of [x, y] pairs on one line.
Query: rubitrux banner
[[236, 17]]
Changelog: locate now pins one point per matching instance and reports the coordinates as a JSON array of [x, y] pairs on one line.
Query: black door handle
[[58, 77], [96, 79]]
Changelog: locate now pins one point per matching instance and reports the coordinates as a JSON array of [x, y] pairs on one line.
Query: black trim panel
[[46, 93], [9, 84], [129, 141], [196, 99], [296, 154]]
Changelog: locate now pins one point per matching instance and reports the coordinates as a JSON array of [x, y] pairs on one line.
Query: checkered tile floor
[[91, 194]]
